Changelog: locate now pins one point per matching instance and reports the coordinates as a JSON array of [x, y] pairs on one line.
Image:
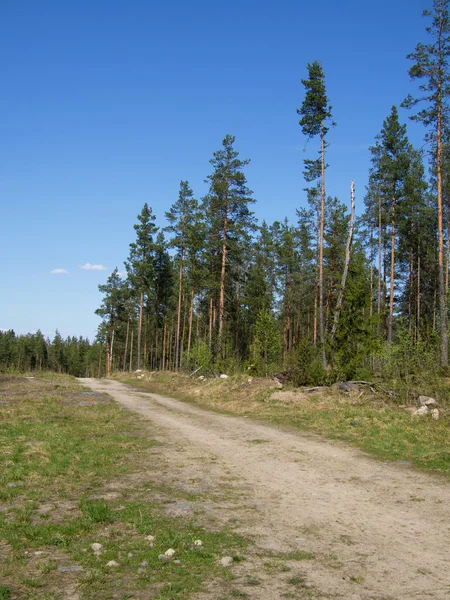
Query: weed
[[296, 580], [96, 511], [252, 581]]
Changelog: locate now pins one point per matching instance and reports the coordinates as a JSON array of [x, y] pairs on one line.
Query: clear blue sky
[[108, 104]]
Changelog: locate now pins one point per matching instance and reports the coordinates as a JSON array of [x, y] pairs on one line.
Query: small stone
[[170, 552], [278, 383], [130, 555], [70, 569], [223, 376], [202, 377], [96, 547], [198, 543], [250, 379], [177, 562], [140, 571], [163, 558], [138, 371], [226, 561], [435, 414], [39, 553], [420, 412], [112, 563], [150, 538], [426, 401], [144, 563]]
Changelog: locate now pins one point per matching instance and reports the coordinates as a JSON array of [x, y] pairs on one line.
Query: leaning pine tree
[[315, 113], [431, 67]]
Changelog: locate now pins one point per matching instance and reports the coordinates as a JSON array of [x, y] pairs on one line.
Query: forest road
[[373, 531]]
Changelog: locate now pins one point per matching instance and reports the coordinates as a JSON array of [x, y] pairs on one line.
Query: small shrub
[[199, 357]]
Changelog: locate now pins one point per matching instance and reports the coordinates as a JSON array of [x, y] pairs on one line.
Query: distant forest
[[326, 298]]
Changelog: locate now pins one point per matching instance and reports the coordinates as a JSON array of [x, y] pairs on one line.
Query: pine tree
[[111, 311], [181, 217], [163, 284], [390, 159], [316, 113], [228, 215], [140, 264], [431, 67]]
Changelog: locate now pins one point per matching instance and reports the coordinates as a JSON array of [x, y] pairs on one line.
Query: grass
[[372, 423], [71, 475]]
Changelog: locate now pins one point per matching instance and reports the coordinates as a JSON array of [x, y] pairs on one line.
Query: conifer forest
[[333, 296]]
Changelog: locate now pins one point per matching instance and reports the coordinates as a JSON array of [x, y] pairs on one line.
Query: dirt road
[[377, 531]]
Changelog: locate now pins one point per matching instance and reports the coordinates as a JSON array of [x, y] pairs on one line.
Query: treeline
[[34, 352], [327, 297]]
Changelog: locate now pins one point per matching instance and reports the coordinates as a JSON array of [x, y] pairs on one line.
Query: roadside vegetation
[[76, 470]]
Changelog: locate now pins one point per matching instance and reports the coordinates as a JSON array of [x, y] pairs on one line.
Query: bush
[[304, 366], [200, 357]]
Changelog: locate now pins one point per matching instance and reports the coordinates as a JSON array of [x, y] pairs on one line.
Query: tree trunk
[[126, 345], [131, 350], [380, 262], [111, 358], [141, 306], [177, 340], [418, 288], [191, 315], [155, 361], [442, 294], [371, 275], [210, 321], [145, 357], [222, 287], [392, 275], [321, 233], [164, 346], [100, 363], [347, 261]]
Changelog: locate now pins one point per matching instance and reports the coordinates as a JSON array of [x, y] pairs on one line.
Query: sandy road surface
[[378, 531]]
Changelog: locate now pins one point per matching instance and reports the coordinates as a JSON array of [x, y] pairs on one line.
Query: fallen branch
[[196, 370]]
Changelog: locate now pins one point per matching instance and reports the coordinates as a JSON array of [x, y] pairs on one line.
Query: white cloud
[[59, 272], [89, 267], [122, 274]]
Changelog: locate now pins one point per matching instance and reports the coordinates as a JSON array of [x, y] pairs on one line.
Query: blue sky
[[108, 104]]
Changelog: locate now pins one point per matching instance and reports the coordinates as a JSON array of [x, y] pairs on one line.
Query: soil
[[372, 530]]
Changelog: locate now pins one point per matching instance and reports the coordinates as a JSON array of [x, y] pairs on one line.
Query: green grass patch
[[62, 452]]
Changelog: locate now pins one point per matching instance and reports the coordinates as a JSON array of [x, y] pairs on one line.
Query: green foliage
[[33, 352], [200, 357], [315, 109], [409, 360], [266, 347], [304, 365]]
